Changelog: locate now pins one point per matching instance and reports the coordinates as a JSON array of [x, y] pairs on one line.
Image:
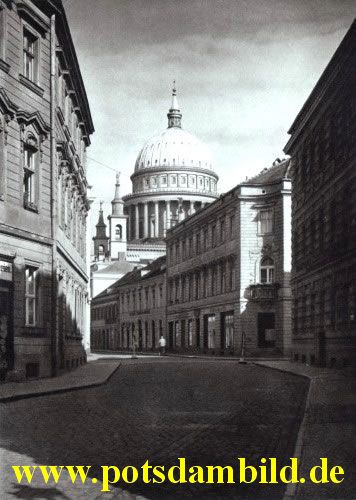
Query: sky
[[243, 69]]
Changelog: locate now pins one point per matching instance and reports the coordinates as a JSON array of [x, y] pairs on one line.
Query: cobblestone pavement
[[204, 410]]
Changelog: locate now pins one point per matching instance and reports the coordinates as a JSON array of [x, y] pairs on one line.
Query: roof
[[117, 266], [278, 171], [155, 268]]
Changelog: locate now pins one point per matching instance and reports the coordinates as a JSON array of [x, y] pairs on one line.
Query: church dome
[[174, 161], [175, 147]]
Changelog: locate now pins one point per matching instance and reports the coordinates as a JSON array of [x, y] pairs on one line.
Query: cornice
[[176, 168], [174, 193], [25, 11], [327, 82]]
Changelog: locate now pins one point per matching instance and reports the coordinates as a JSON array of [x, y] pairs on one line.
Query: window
[[222, 230], [30, 295], [197, 242], [183, 250], [197, 285], [29, 177], [266, 222], [222, 277], [205, 239], [190, 332], [30, 55], [118, 232], [213, 235], [228, 330], [214, 280], [267, 270], [232, 223]]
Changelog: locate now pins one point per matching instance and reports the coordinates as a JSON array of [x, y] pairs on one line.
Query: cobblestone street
[[208, 411]]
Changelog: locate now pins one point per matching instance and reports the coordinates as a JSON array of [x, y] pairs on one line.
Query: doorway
[[6, 330], [266, 329]]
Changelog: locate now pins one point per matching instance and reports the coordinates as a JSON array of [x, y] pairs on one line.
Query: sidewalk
[[327, 430], [96, 372]]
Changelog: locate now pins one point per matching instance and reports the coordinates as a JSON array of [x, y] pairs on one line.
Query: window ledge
[[31, 85], [4, 66], [28, 205]]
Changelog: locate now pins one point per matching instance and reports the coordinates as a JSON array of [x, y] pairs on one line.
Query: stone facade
[[228, 270], [45, 125], [323, 149], [131, 313]]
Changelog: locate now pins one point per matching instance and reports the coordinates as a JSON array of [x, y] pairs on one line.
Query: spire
[[100, 226], [117, 186], [101, 222], [117, 203], [174, 115]]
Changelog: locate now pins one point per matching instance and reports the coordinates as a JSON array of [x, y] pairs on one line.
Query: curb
[[17, 397], [282, 370], [218, 358], [291, 488], [251, 359]]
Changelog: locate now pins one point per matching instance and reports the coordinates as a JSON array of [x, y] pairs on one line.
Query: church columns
[[191, 211], [156, 219], [145, 220], [128, 234], [180, 210], [168, 215], [137, 222]]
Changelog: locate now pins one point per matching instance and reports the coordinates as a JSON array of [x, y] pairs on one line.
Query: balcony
[[261, 292]]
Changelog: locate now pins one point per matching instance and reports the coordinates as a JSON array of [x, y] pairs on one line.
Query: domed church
[[173, 178]]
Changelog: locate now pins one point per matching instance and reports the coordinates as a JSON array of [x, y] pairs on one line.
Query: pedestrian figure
[[162, 345]]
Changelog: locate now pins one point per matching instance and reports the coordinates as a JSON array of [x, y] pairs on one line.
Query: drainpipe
[[54, 332]]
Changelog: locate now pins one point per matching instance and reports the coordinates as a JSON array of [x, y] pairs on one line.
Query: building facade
[[228, 270], [45, 125], [131, 313], [323, 150]]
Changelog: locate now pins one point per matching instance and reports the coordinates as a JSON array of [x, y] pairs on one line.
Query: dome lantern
[[174, 115]]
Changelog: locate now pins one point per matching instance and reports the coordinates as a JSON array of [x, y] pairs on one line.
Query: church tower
[[118, 225], [101, 241]]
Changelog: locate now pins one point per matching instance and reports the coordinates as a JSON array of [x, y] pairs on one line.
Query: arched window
[[267, 270], [118, 231], [101, 249]]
